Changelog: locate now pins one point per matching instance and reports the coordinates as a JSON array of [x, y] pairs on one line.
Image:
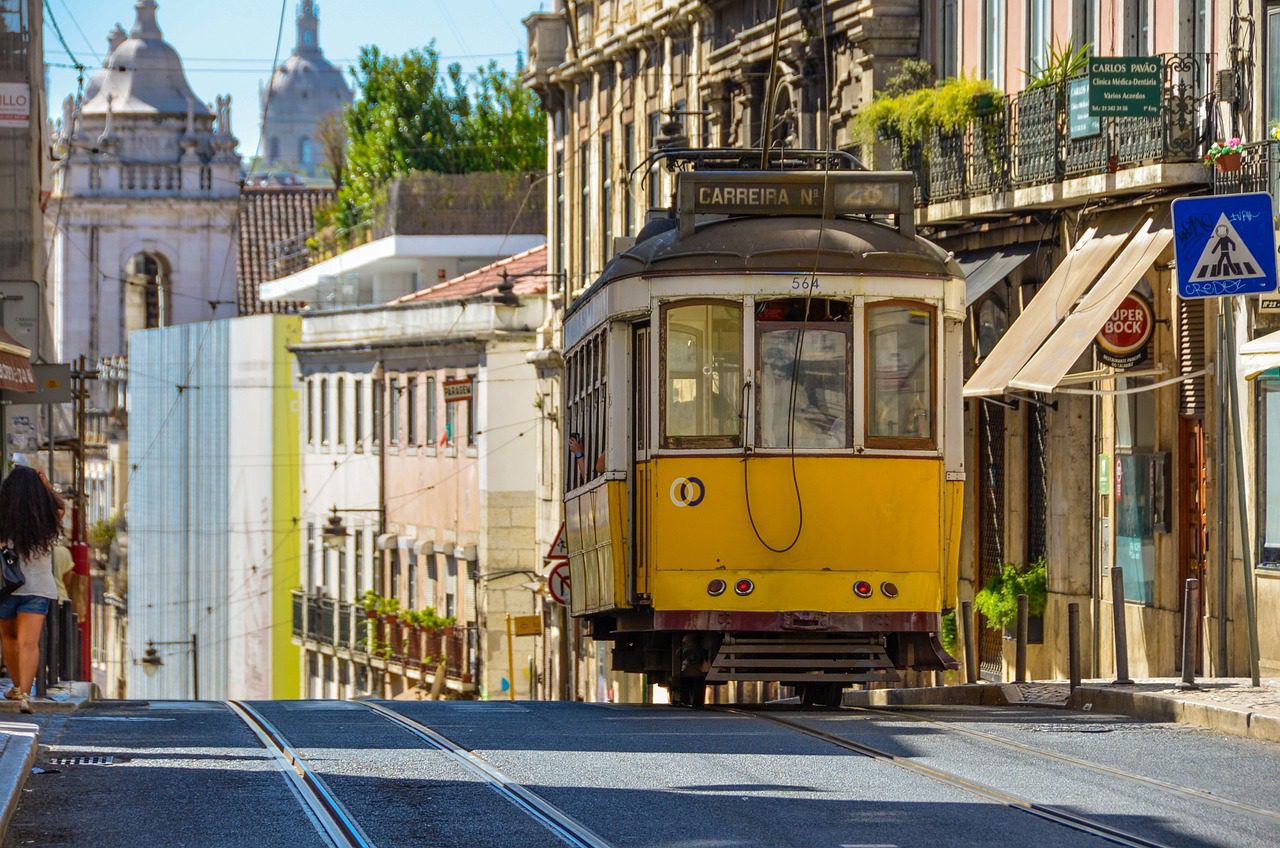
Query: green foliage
[[426, 619], [950, 635], [413, 114], [103, 532], [912, 115], [1065, 61], [370, 600], [388, 607], [912, 74], [998, 600]]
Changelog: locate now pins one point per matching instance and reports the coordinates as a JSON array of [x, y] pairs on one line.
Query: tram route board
[[806, 194]]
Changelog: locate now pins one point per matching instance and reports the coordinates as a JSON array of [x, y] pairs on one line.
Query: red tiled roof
[[269, 214], [526, 271]]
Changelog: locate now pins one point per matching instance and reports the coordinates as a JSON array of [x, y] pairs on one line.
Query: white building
[[304, 90], [144, 201]]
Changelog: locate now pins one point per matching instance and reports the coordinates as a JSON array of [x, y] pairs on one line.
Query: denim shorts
[[14, 604]]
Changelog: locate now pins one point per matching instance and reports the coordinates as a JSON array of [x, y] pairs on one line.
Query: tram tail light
[[862, 589], [744, 587], [716, 588], [889, 590]]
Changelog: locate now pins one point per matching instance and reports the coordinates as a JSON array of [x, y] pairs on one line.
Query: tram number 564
[[804, 283]]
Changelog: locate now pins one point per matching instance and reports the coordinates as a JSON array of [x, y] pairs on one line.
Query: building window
[[311, 412], [1273, 64], [357, 412], [340, 423], [431, 411], [376, 391], [273, 150], [451, 587], [629, 160], [342, 574], [655, 175], [307, 152], [324, 411], [471, 416], [362, 579], [561, 240], [312, 580], [1084, 23], [395, 572], [1039, 34], [702, 375], [413, 582], [993, 36], [1139, 471], [450, 423], [900, 369], [1137, 27], [393, 411], [606, 194], [942, 29], [411, 410], [1269, 469], [585, 215]]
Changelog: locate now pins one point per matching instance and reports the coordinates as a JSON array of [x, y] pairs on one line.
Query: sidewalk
[[1226, 705], [19, 744]]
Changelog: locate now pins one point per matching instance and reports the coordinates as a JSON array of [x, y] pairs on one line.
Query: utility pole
[[80, 377]]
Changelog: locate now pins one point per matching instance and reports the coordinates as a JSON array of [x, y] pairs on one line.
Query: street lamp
[[335, 533], [151, 661]]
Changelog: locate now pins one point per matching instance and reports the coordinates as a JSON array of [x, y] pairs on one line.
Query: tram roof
[[773, 245]]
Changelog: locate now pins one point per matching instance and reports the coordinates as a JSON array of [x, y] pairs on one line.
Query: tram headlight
[[744, 587], [888, 589], [716, 588], [862, 589]]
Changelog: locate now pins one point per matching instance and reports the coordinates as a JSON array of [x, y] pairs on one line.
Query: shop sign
[[1080, 123], [457, 390], [1125, 86], [15, 105], [1123, 339]]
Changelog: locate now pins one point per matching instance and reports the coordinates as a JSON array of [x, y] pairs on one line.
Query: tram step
[[801, 661]]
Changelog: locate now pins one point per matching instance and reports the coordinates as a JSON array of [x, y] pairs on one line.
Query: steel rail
[[1187, 791], [1041, 811], [568, 829], [329, 816]]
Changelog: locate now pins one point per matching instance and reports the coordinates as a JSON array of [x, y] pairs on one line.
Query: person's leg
[[9, 639], [30, 626]]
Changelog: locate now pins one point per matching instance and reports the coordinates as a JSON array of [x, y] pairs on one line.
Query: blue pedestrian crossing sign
[[1225, 245]]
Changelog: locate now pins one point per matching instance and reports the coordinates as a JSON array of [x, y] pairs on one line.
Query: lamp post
[[151, 661]]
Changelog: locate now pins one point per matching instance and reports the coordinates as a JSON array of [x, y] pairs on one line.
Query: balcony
[[1258, 171], [1029, 153]]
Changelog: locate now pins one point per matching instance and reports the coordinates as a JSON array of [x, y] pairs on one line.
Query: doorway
[[1193, 526], [991, 525]]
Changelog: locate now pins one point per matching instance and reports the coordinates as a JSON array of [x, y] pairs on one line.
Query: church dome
[[143, 75], [311, 82]]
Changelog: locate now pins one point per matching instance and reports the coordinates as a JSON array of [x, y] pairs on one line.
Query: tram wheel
[[688, 692], [822, 694]]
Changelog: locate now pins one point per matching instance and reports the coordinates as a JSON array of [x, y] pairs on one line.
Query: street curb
[[1154, 707], [21, 745], [964, 695]]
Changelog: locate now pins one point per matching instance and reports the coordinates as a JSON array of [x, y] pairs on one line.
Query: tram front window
[[900, 382], [703, 375], [808, 404]]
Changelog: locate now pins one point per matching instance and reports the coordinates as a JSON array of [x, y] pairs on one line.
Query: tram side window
[[586, 412], [900, 381], [808, 404], [702, 379]]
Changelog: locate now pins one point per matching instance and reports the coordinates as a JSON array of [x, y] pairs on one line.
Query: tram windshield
[[703, 374], [900, 361], [804, 406]]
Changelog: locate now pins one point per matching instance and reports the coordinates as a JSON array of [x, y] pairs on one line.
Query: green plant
[[370, 600], [950, 638], [103, 532], [388, 607], [912, 74], [998, 599], [911, 116], [1065, 61], [1223, 148]]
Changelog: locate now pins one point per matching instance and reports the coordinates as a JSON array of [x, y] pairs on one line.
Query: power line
[[79, 66]]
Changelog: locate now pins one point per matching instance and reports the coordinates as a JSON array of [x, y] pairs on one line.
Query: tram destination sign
[[806, 194], [1125, 86]]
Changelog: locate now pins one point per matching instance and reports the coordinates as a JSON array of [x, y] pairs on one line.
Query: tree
[[331, 133], [412, 114]]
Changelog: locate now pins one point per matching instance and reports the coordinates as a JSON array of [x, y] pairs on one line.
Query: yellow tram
[[765, 472]]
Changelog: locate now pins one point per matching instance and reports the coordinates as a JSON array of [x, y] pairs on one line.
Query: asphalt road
[[192, 774]]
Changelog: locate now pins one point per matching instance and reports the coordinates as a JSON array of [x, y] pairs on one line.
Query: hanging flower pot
[[1227, 163]]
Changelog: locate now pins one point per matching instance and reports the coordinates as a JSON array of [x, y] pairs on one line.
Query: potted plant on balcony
[[370, 601], [1225, 156], [998, 599], [388, 609]]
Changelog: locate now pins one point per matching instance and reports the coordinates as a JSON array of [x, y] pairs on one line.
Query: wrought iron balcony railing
[[1259, 171], [1030, 139]]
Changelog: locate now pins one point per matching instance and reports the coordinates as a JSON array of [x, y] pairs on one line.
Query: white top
[[38, 571]]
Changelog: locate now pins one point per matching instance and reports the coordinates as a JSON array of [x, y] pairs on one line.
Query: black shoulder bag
[[11, 576]]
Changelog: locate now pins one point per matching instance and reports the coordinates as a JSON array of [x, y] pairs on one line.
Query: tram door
[[642, 444], [991, 519]]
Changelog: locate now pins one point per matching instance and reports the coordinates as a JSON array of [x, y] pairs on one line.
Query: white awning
[[424, 547], [1050, 364], [984, 268], [386, 541], [1073, 276], [1259, 355]]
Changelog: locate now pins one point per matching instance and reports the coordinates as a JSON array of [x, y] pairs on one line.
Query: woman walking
[[29, 525]]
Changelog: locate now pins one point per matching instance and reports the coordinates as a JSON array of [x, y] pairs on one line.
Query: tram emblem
[[687, 491]]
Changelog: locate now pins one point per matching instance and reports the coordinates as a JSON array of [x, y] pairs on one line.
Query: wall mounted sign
[[1080, 122], [457, 390], [1123, 340], [1125, 86], [15, 105]]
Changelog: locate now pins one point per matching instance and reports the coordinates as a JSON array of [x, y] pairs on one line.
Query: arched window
[[147, 292], [306, 152], [273, 149]]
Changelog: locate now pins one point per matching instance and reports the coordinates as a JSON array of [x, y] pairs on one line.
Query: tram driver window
[[702, 375], [900, 378], [808, 404]]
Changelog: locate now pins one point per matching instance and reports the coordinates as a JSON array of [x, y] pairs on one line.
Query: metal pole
[[511, 659], [1246, 539], [1190, 599], [1073, 642], [48, 423], [1020, 647], [1223, 531], [195, 668], [970, 650], [1117, 617]]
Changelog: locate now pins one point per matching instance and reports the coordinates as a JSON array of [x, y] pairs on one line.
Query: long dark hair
[[28, 512]]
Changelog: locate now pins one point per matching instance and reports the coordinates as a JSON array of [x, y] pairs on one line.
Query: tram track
[[991, 738], [1045, 812], [336, 824]]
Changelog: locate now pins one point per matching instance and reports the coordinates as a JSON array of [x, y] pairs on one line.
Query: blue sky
[[227, 45]]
